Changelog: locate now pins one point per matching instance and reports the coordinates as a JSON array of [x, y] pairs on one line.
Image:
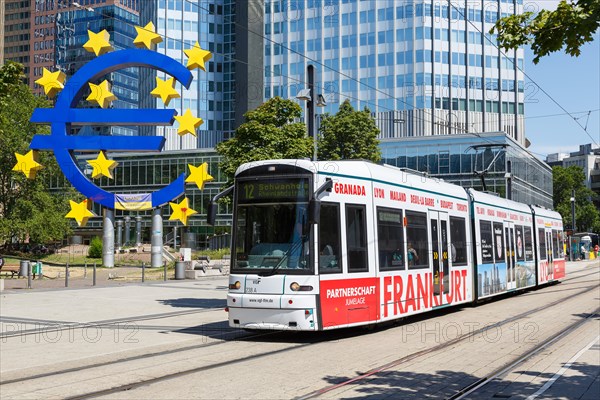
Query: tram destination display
[[268, 190]]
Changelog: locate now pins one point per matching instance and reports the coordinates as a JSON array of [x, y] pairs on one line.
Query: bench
[[12, 269], [204, 258]]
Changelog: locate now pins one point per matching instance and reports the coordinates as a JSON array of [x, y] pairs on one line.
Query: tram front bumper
[[272, 319]]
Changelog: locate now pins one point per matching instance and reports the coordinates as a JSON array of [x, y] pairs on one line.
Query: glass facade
[[425, 67], [145, 173], [211, 95], [72, 27], [454, 159]]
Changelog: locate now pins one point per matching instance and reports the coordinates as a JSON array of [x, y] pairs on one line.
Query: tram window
[[416, 239], [555, 240], [390, 239], [519, 244], [499, 241], [487, 243], [528, 244], [542, 236], [356, 238], [458, 241], [329, 239]]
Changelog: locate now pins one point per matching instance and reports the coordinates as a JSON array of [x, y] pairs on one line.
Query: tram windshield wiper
[[273, 271]]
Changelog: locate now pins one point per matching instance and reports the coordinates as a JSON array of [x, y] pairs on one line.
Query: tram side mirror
[[211, 215], [314, 211]]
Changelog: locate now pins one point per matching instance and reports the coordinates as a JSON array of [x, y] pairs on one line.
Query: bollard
[[143, 272], [28, 275], [165, 267], [67, 275], [94, 278], [85, 270]]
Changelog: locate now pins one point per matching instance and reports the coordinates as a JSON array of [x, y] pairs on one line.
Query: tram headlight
[[295, 286], [235, 285]]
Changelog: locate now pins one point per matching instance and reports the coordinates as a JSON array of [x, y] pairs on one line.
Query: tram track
[[57, 326], [442, 346], [326, 336], [329, 336], [510, 366]]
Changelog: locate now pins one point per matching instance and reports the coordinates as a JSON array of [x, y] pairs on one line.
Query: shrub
[[95, 250]]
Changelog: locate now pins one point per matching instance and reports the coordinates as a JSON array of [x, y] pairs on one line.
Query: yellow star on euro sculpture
[[146, 37], [188, 123], [80, 212], [165, 90], [53, 82], [28, 164], [197, 57], [101, 94], [99, 43], [199, 175], [181, 211], [102, 166]]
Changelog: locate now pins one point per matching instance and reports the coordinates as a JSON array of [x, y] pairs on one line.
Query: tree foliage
[[571, 25], [566, 180], [27, 208], [270, 132], [349, 134]]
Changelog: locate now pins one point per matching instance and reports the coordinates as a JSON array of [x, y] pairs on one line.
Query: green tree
[[572, 24], [349, 134], [268, 133], [565, 180], [27, 208]]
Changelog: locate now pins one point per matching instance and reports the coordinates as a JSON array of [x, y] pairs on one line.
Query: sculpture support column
[[108, 238], [138, 231], [157, 238]]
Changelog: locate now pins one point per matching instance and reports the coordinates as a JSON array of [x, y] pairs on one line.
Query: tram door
[[549, 247], [511, 255], [439, 252]]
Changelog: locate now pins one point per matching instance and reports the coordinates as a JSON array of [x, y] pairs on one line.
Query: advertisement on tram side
[[351, 301]]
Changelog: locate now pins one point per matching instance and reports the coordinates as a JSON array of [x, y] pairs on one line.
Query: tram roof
[[544, 212], [497, 201], [367, 170]]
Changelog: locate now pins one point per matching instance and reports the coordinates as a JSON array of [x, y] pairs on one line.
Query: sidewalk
[[41, 328]]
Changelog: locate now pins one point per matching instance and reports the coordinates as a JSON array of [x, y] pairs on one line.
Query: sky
[[574, 83]]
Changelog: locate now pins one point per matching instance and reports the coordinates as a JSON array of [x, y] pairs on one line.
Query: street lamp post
[[574, 226], [309, 96]]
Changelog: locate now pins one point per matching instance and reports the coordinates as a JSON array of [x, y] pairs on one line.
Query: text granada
[[346, 188]]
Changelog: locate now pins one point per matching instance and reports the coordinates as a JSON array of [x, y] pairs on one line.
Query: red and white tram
[[323, 245]]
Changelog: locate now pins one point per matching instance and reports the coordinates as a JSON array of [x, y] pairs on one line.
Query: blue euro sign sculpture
[[64, 114]]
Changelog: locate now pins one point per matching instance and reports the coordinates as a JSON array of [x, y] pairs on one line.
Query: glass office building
[[211, 95], [510, 170], [71, 33], [146, 173], [424, 67]]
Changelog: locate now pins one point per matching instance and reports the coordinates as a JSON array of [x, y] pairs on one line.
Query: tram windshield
[[272, 229]]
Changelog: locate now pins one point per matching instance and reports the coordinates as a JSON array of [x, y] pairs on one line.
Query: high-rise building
[[2, 32], [182, 24], [218, 93], [424, 67], [16, 36], [118, 18]]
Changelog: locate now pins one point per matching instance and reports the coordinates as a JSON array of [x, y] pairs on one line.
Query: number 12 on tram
[[323, 245]]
